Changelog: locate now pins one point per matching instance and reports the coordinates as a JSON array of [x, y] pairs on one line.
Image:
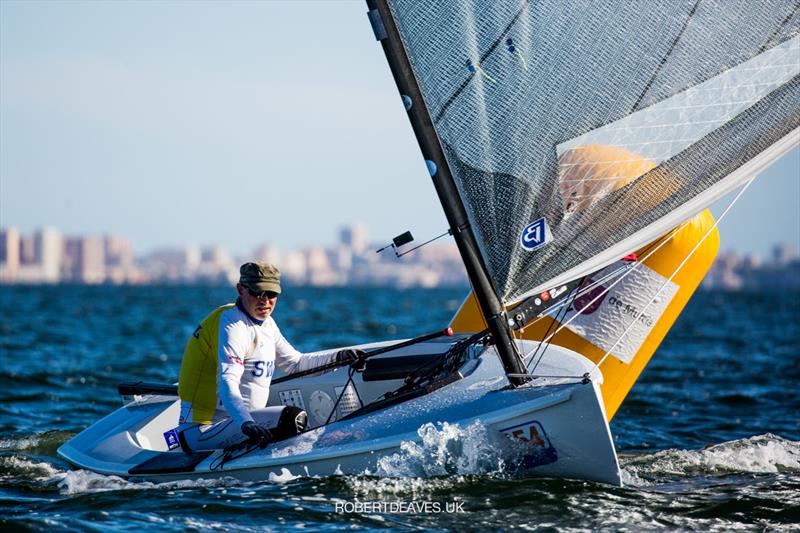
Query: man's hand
[[257, 433], [353, 356]]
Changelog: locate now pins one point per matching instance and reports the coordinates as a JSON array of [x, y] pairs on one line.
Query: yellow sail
[[597, 330]]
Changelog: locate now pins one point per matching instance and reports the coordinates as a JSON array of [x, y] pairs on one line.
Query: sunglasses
[[262, 294]]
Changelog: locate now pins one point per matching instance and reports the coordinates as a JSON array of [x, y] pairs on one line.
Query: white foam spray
[[445, 455], [762, 454]]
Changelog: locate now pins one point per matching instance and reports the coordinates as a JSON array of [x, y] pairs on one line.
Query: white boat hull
[[557, 429]]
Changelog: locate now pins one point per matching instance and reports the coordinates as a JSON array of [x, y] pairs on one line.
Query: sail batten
[[575, 131], [666, 56]]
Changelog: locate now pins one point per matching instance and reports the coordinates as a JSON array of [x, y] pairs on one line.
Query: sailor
[[228, 364]]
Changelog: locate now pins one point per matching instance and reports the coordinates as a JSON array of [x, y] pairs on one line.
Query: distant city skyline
[[234, 124], [48, 256], [371, 245]]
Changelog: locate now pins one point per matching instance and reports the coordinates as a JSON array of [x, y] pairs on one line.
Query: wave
[[72, 482], [447, 456], [45, 443], [22, 468], [82, 481], [762, 454]]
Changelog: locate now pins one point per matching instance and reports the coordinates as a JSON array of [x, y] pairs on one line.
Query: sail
[[578, 131]]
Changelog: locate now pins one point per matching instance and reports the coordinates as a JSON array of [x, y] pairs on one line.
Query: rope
[[350, 373], [674, 272], [582, 377], [446, 362], [581, 290], [558, 317], [228, 453]]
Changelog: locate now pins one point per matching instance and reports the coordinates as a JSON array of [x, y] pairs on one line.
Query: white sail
[[576, 132]]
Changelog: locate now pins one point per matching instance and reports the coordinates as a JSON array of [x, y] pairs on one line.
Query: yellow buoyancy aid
[[197, 383]]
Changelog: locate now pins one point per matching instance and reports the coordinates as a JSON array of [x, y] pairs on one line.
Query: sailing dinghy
[[560, 138]]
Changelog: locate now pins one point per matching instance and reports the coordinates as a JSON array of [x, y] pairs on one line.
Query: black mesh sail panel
[[578, 131]]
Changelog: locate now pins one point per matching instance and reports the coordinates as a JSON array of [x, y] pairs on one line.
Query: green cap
[[260, 277]]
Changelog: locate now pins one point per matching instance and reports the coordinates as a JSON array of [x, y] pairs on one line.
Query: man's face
[[259, 307]]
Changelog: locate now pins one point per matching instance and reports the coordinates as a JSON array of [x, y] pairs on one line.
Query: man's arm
[[234, 340]]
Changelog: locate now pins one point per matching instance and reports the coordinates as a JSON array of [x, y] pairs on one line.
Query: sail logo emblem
[[535, 235], [537, 449]]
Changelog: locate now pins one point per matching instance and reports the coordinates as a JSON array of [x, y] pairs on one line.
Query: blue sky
[[236, 124]]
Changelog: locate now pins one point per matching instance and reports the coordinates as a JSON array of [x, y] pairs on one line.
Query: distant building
[[293, 266], [9, 255], [41, 256], [85, 260], [49, 251], [173, 265], [341, 260], [216, 265], [216, 256], [192, 257], [731, 271], [267, 253], [27, 250], [120, 261], [354, 237], [751, 261], [784, 254], [319, 271], [47, 257]]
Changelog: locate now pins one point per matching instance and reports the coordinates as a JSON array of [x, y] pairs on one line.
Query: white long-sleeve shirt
[[248, 352]]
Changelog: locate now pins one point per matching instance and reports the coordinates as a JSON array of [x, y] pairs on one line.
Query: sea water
[[708, 438]]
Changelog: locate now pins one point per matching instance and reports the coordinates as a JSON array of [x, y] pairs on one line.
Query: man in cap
[[228, 364]]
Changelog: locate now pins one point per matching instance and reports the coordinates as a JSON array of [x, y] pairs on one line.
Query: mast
[[491, 307]]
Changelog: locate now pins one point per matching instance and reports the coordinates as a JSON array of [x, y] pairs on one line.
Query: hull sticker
[[605, 315], [536, 445]]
